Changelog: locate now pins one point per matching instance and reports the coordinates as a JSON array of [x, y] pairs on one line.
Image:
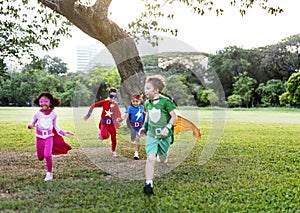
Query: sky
[[208, 33]]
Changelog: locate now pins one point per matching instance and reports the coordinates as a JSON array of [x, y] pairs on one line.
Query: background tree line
[[266, 76], [50, 74], [258, 77]]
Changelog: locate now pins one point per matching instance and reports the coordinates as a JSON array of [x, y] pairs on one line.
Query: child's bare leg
[[150, 168], [137, 148], [137, 144]]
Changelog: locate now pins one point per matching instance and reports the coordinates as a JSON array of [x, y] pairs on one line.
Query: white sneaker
[[158, 159], [49, 176], [166, 160], [136, 155], [114, 154], [100, 139]]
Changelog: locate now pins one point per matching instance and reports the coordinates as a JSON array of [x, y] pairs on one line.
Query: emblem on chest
[[45, 123], [154, 115]]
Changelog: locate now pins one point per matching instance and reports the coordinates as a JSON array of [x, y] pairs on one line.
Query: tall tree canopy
[[92, 19]]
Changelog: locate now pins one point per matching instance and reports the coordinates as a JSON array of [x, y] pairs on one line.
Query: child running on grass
[[110, 118], [48, 134], [135, 112], [159, 120]]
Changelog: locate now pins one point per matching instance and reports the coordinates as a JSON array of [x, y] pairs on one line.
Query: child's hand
[[165, 132], [69, 134], [119, 121], [86, 117], [142, 131]]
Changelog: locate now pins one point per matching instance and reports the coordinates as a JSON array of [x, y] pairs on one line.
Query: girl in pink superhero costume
[[110, 118], [48, 134]]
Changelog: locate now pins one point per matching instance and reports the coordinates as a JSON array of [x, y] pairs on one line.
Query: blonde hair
[[157, 81]]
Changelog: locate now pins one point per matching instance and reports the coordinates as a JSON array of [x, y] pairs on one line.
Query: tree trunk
[[93, 21]]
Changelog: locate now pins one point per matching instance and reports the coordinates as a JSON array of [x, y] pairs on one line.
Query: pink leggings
[[44, 151]]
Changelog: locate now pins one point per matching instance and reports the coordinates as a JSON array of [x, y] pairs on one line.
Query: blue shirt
[[136, 114]]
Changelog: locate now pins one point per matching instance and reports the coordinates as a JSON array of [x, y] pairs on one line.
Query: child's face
[[44, 102], [135, 102], [150, 92], [112, 96]]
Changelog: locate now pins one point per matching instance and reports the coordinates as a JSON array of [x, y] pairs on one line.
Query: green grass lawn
[[255, 167]]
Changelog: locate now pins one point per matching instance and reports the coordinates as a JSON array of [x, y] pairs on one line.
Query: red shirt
[[108, 112]]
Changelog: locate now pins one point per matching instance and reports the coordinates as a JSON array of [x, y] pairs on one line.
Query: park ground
[[253, 167]]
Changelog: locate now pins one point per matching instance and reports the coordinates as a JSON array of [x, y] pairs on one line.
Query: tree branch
[[101, 5], [59, 6]]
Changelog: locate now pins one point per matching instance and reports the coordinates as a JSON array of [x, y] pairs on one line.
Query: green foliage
[[284, 99], [111, 77], [183, 72], [73, 89], [55, 65], [229, 63], [23, 87], [178, 90], [4, 75], [270, 92], [207, 97], [292, 94], [263, 64], [51, 65], [75, 94], [281, 60], [234, 101], [101, 78], [25, 25], [244, 87]]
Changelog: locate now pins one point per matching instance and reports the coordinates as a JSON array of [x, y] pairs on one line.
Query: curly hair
[[54, 101]]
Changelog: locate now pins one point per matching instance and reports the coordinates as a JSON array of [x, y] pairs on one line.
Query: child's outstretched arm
[[87, 115], [59, 130], [125, 116], [33, 122], [143, 130], [99, 103]]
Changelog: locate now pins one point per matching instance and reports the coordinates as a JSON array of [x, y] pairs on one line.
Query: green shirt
[[159, 115]]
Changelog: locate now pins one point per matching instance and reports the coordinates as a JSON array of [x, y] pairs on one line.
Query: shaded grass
[[254, 169]]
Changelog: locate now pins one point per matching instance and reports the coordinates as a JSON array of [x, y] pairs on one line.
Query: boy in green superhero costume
[[159, 121]]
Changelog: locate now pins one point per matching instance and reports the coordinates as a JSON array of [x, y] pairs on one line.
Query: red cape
[[59, 145]]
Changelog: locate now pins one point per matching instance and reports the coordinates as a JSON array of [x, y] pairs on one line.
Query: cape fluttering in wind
[[184, 124]]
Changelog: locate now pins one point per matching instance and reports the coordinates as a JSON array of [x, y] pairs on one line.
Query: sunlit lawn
[[255, 167]]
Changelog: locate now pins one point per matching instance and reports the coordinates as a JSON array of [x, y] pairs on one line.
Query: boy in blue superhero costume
[[135, 113]]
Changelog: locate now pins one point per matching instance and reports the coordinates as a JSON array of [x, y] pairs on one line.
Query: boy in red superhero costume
[[110, 118]]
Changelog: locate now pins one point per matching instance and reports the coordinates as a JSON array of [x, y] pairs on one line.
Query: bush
[[234, 101]]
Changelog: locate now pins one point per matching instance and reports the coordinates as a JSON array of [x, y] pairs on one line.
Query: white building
[[85, 55]]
